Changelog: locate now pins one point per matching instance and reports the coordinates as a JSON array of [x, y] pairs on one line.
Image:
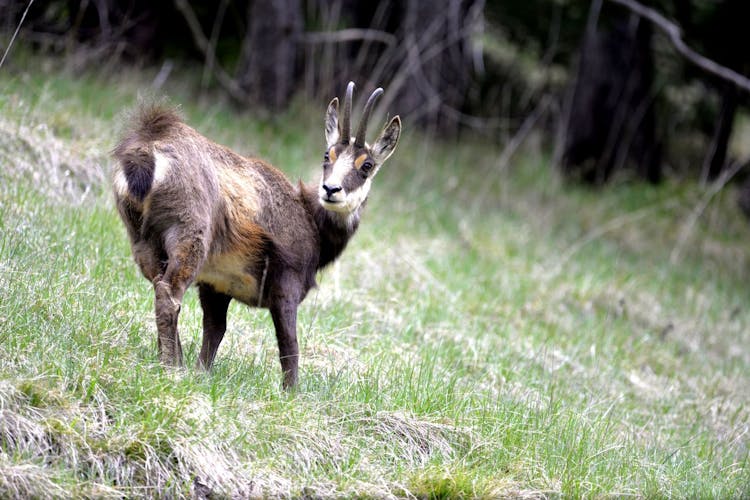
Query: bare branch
[[687, 227], [15, 33], [210, 55], [674, 33], [203, 44], [349, 35], [522, 133], [510, 149]]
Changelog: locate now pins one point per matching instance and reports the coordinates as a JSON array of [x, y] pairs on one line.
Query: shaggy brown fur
[[196, 212]]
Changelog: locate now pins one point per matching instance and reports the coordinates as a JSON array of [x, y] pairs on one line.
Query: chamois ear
[[386, 142], [332, 122]]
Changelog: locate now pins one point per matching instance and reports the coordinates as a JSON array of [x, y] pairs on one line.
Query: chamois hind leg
[[185, 255], [215, 307], [284, 314], [148, 261]]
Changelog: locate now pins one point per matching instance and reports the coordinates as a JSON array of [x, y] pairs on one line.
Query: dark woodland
[[605, 88]]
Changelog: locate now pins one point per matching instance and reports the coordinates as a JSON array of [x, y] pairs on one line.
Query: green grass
[[486, 334]]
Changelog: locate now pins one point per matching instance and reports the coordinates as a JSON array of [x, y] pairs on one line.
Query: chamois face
[[349, 163], [347, 177]]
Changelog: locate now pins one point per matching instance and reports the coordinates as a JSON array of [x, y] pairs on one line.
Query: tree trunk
[[612, 117], [437, 60], [268, 69]]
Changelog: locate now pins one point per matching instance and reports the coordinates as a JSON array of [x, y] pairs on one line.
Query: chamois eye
[[366, 167], [327, 157]]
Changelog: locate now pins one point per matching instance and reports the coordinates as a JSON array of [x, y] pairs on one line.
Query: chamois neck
[[334, 229]]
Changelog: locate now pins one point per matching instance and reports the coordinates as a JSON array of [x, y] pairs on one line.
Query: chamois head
[[349, 163]]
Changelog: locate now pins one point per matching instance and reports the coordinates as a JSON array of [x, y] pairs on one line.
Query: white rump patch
[[161, 168], [120, 183]]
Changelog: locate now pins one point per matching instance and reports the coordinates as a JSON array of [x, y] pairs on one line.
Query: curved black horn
[[346, 122], [359, 140]]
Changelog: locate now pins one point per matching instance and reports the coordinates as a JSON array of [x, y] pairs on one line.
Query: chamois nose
[[330, 190]]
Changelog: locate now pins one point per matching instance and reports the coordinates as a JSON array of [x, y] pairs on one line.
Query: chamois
[[196, 212]]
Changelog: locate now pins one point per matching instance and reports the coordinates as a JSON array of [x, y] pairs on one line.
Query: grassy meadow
[[489, 332]]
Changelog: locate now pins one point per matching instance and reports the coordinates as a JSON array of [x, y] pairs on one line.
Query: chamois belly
[[229, 274]]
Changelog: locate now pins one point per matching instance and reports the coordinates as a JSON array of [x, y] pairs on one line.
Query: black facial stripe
[[352, 180]]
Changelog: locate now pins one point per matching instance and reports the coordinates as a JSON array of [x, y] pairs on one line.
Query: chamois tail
[[134, 152]]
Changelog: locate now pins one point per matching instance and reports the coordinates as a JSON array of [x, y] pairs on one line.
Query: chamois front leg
[[215, 307], [184, 260], [284, 314]]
